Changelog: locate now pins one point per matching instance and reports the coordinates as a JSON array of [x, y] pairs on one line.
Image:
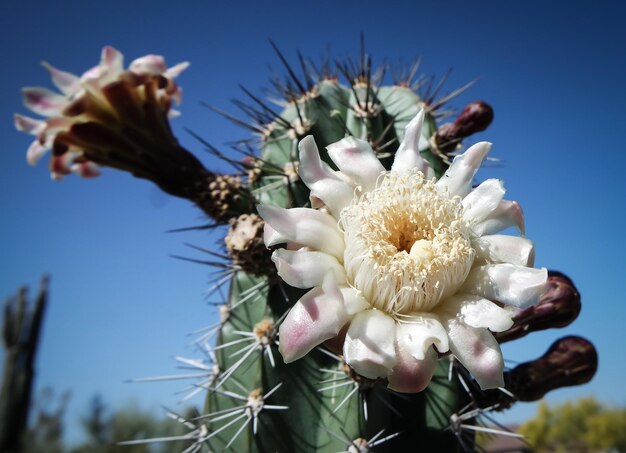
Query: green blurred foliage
[[103, 429], [585, 425]]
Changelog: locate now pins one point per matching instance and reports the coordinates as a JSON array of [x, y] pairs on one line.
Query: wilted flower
[[86, 123], [405, 265]]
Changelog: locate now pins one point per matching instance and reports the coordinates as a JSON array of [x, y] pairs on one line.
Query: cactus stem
[[361, 445], [255, 404]]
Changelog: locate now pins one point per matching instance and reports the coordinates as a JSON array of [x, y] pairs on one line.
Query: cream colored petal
[[356, 159], [323, 181], [507, 283], [418, 333], [476, 311], [457, 180], [352, 300], [369, 347], [310, 227], [66, 82], [408, 155], [479, 352], [483, 200], [500, 248], [303, 269], [507, 214]]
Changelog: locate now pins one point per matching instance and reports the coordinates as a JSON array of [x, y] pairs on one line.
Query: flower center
[[407, 245]]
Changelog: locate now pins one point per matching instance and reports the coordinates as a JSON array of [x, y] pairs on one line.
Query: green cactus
[[256, 402], [330, 407]]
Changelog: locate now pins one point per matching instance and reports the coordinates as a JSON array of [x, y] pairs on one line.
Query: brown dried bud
[[475, 117], [246, 247], [559, 306], [570, 361]]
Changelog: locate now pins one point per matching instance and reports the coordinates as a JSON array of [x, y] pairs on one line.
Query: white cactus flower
[[406, 266]]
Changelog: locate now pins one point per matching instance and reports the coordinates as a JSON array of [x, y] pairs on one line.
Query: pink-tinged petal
[[28, 125], [418, 333], [483, 200], [35, 152], [312, 228], [507, 214], [356, 159], [318, 316], [479, 352], [176, 70], [507, 283], [457, 180], [476, 311], [369, 347], [500, 248], [61, 165], [43, 101], [56, 124], [67, 82], [325, 184], [149, 64], [411, 375], [408, 156], [302, 269], [86, 170], [112, 61]]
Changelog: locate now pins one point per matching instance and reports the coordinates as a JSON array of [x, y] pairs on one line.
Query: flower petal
[[35, 152], [352, 300], [318, 316], [176, 70], [507, 283], [67, 82], [325, 184], [86, 169], [356, 159], [302, 269], [501, 248], [479, 352], [458, 178], [507, 214], [481, 201], [112, 61], [419, 333], [148, 64], [43, 101], [28, 125], [309, 227], [408, 155], [410, 375], [369, 347], [476, 311]]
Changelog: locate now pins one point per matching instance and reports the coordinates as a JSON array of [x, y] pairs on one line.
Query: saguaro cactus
[[390, 350]]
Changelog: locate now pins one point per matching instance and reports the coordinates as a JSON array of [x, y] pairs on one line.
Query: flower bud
[[559, 306], [475, 117], [245, 245], [569, 361]]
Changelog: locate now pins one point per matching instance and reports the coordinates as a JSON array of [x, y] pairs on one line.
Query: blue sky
[[121, 307]]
